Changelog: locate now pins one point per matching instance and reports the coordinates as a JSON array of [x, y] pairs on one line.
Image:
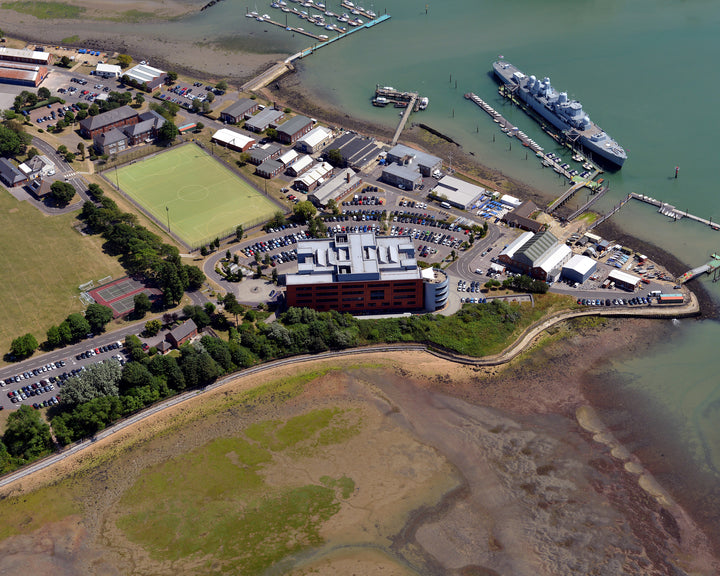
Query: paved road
[[78, 182]]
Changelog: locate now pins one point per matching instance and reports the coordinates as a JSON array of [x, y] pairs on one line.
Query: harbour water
[[643, 72]]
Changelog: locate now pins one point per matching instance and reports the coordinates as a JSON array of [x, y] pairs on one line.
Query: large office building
[[540, 255], [406, 156], [357, 273]]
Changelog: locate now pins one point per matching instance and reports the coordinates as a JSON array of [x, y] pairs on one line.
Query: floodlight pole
[[167, 209]]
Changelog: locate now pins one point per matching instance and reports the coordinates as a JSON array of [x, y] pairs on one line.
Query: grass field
[[203, 198], [43, 261]]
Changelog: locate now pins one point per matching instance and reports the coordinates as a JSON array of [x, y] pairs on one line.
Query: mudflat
[[384, 464]]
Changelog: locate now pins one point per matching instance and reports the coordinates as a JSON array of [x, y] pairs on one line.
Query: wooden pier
[[408, 110], [594, 198]]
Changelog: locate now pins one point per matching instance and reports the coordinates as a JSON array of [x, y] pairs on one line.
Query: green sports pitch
[[201, 198]]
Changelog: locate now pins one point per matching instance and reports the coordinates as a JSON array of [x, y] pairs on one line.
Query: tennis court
[[120, 295], [199, 196]]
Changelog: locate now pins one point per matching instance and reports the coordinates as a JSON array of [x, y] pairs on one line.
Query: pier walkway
[[607, 216], [671, 212], [408, 110], [711, 267], [569, 193], [594, 198]]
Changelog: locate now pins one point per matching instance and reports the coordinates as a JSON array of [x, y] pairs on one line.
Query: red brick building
[[294, 129], [178, 336], [94, 125], [357, 273]]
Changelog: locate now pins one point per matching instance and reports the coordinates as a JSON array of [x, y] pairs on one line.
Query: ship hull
[[602, 152]]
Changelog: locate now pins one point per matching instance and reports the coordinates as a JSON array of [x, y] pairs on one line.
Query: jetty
[[711, 267], [594, 198], [612, 212], [671, 212], [408, 109]]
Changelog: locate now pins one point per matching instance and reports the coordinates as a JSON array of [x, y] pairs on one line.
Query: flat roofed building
[[338, 186], [94, 125], [303, 164], [146, 74], [264, 153], [437, 288], [39, 166], [289, 132], [404, 155], [356, 273], [239, 111], [510, 201], [624, 280], [268, 118], [233, 140], [579, 268], [108, 71], [314, 140], [404, 177], [457, 192], [9, 173], [26, 56], [22, 74]]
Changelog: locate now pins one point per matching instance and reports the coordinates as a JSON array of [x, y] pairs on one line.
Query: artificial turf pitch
[[202, 198]]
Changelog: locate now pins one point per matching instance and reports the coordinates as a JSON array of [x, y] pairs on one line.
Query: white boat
[[330, 14], [251, 15], [320, 5], [349, 4], [323, 37], [260, 19], [329, 27], [424, 103], [266, 16]]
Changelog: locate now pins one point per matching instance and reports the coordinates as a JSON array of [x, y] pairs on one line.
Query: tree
[[239, 232], [152, 327], [81, 150], [78, 326], [171, 78], [206, 107], [271, 133], [222, 85], [142, 304], [23, 346], [54, 337], [69, 157], [43, 93], [304, 211], [81, 115], [334, 156], [333, 207], [124, 60], [210, 96], [10, 142], [139, 99], [195, 277], [98, 316], [62, 192], [32, 153], [232, 305], [62, 149], [94, 109], [168, 131], [26, 435], [199, 127], [65, 62], [96, 380]]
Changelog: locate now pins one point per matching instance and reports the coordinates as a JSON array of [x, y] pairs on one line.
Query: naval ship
[[566, 115]]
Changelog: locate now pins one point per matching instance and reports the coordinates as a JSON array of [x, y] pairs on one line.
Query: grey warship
[[564, 114]]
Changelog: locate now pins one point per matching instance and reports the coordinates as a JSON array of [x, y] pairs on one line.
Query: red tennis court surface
[[120, 295]]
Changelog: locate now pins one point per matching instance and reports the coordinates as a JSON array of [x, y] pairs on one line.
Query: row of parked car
[[464, 286], [637, 301], [356, 215], [34, 372], [274, 243], [364, 201], [99, 350]]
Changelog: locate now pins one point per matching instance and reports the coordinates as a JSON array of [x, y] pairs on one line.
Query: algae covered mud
[[400, 464]]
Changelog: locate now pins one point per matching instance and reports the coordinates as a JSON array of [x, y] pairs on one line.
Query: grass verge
[[46, 10]]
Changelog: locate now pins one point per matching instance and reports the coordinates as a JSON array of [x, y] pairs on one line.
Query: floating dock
[[671, 212]]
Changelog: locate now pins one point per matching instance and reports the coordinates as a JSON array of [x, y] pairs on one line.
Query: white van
[[445, 205]]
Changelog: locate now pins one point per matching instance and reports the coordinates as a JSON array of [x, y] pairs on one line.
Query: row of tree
[[141, 251]]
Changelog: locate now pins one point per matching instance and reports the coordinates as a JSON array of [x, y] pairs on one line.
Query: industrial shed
[[624, 280], [579, 269], [457, 192], [314, 140]]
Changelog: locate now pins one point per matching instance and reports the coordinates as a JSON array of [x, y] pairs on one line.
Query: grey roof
[[9, 172], [107, 118], [184, 330], [239, 108], [337, 186], [409, 173], [294, 125], [421, 158], [110, 137], [534, 249], [270, 166], [259, 155], [140, 128], [152, 115], [263, 119]]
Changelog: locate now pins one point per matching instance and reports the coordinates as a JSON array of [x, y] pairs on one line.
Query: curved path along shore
[[690, 309]]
